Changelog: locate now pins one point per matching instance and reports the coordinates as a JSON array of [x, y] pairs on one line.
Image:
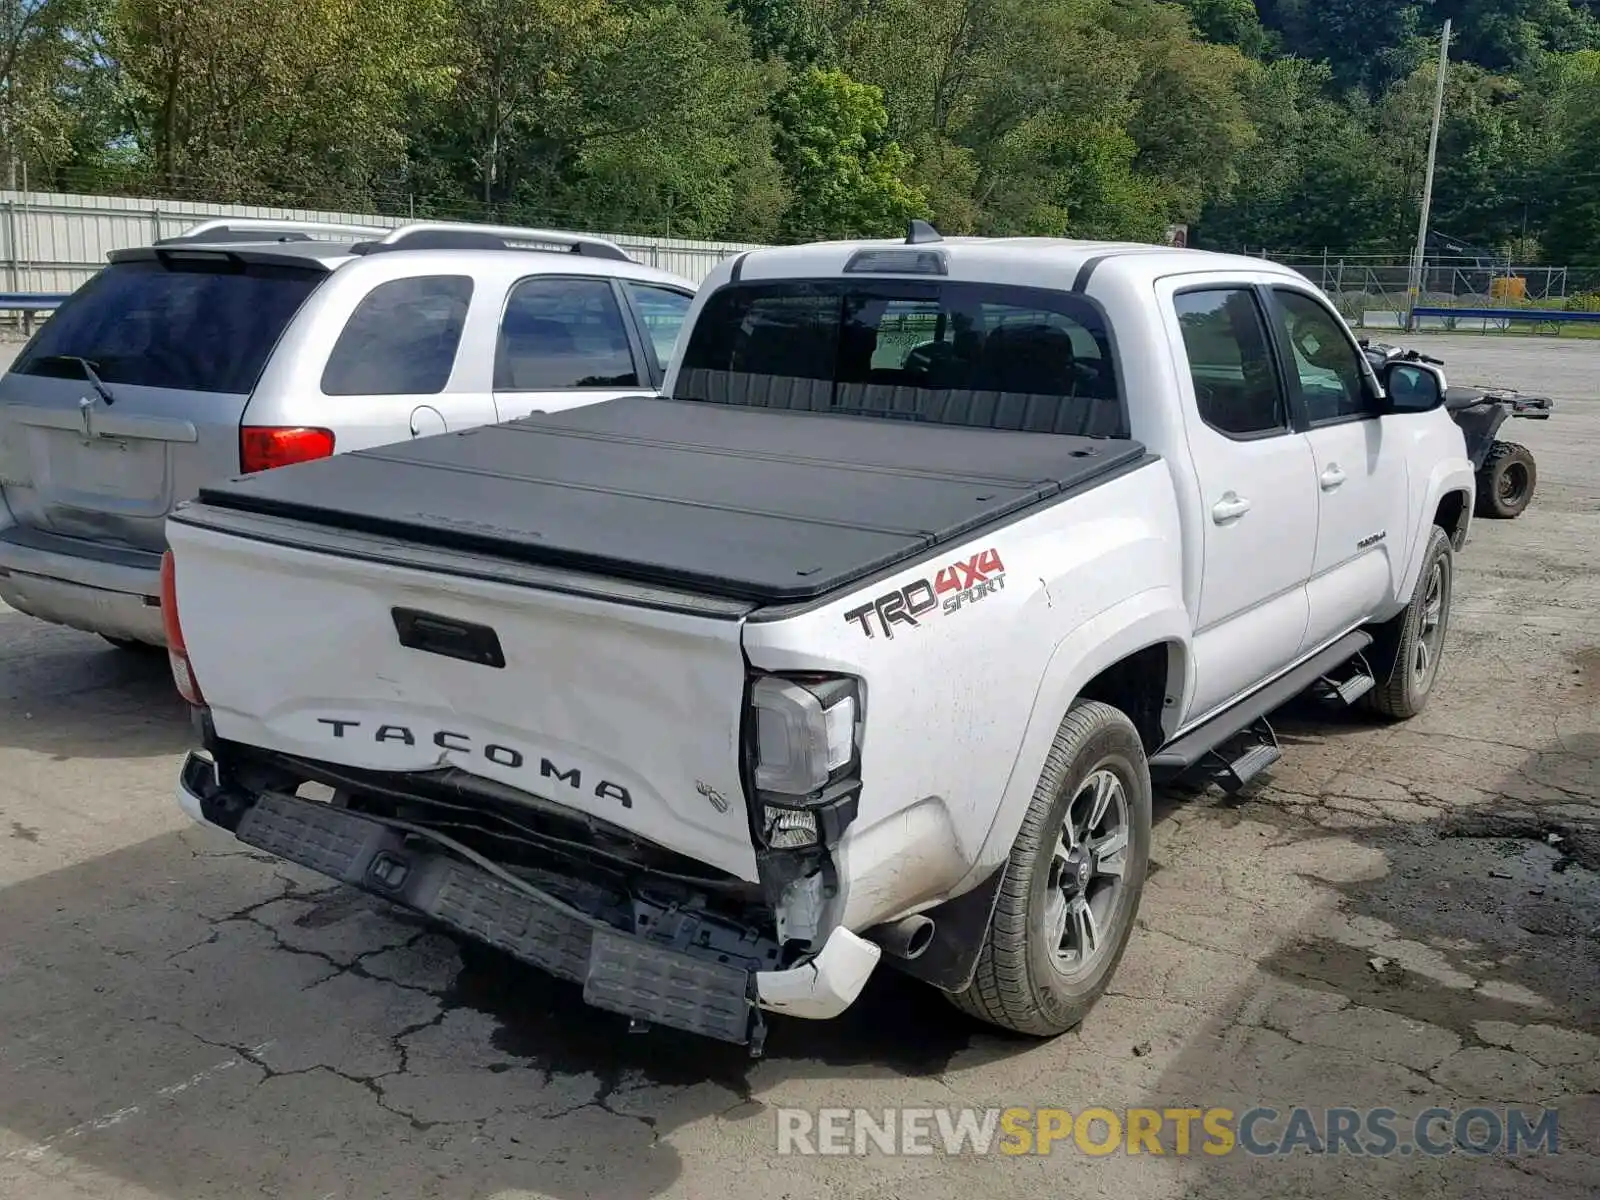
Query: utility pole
[[1419, 260]]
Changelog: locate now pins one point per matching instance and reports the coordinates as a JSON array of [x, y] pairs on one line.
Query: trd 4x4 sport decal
[[949, 591]]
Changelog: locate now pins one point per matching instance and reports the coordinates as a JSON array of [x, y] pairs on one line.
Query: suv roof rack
[[453, 235], [250, 229]]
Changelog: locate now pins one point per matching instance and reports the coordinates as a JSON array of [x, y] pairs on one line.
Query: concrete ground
[[1402, 917]]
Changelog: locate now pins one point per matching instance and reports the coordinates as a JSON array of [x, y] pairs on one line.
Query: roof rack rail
[[250, 229], [453, 235]]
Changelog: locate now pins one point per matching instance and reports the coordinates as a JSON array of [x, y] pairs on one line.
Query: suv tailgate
[[628, 713], [179, 341]]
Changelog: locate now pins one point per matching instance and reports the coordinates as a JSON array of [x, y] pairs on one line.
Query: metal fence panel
[[53, 242]]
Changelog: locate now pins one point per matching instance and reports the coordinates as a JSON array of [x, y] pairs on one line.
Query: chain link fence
[[1374, 291]]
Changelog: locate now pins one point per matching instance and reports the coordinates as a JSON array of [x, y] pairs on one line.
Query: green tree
[[1569, 186], [43, 44], [518, 75], [277, 100], [675, 136], [786, 28], [846, 178], [1366, 43], [1231, 23], [1315, 177]]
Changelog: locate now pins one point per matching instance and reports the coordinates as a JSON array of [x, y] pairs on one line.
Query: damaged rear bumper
[[698, 988]]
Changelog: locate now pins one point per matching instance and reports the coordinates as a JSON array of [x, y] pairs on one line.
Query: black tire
[[1413, 643], [1506, 483], [1022, 983]]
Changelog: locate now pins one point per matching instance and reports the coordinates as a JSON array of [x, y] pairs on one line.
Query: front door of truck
[[1363, 489], [1257, 490]]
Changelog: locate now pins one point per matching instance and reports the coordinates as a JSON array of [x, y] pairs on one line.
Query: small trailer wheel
[[1506, 482]]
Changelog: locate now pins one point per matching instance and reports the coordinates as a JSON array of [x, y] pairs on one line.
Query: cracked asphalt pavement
[[1401, 917]]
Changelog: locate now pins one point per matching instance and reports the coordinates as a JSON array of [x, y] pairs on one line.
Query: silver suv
[[245, 345]]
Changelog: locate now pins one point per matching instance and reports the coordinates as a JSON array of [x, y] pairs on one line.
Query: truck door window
[[401, 340], [991, 356], [1327, 366], [561, 332], [1230, 360]]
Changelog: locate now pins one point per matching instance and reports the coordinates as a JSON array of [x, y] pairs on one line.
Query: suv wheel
[[1073, 882]]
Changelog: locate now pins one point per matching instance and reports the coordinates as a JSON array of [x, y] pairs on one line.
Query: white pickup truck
[[865, 644]]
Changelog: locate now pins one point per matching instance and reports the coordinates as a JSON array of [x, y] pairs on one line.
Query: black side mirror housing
[[1412, 387]]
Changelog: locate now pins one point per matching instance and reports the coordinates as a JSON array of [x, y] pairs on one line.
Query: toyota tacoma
[[863, 644]]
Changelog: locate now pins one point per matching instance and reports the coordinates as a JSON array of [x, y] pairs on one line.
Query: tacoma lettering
[[501, 756]]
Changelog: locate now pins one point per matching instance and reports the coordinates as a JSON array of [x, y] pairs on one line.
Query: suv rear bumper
[[118, 599], [700, 992]]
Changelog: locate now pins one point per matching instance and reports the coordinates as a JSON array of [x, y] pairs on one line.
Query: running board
[[1356, 682], [1233, 766], [1188, 751]]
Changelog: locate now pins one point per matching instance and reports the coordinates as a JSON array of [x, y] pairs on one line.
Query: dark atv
[[1507, 474]]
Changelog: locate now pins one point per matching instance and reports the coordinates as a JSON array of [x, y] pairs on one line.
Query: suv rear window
[[193, 326], [989, 356]]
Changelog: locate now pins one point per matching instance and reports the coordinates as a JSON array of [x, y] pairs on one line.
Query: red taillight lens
[[263, 447], [177, 651]]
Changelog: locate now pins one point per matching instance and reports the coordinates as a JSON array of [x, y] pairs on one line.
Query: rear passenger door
[[1257, 489], [392, 374], [567, 341]]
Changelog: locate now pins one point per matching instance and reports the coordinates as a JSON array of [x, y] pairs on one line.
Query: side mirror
[[1412, 387]]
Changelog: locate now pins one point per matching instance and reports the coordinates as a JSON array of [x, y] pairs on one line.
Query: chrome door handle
[[1230, 508], [1332, 478]]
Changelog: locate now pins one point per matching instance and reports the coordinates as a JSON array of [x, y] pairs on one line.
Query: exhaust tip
[[907, 939]]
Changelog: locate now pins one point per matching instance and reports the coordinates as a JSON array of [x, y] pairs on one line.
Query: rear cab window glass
[[402, 339], [561, 333], [1231, 362], [979, 355], [206, 325]]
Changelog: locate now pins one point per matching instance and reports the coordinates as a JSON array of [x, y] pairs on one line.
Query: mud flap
[[951, 959]]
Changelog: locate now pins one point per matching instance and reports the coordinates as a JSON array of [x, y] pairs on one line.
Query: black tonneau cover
[[754, 504]]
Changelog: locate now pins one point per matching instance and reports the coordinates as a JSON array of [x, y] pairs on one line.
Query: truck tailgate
[[627, 713]]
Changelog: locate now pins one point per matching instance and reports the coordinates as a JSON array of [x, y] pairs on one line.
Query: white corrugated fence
[[52, 242]]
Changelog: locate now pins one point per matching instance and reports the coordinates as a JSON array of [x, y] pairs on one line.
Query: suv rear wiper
[[89, 372]]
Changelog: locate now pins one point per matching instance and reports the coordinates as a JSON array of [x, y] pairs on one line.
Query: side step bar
[[1355, 682], [1238, 761], [1207, 741]]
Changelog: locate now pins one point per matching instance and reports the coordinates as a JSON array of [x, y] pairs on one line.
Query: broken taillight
[[177, 651]]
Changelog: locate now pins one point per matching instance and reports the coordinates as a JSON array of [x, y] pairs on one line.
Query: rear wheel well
[[1452, 516], [1137, 686]]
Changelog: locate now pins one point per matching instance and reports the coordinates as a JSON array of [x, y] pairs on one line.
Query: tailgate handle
[[433, 634]]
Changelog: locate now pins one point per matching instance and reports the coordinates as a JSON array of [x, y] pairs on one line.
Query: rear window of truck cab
[[978, 355], [198, 325]]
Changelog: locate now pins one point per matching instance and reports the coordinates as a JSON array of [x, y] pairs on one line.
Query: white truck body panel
[[932, 774], [580, 714]]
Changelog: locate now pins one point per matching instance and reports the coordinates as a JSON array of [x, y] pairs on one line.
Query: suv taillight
[[263, 447], [177, 652]]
